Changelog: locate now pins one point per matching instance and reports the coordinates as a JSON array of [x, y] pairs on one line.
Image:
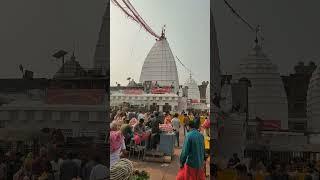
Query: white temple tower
[[313, 102], [193, 90], [267, 96], [102, 51], [160, 66]]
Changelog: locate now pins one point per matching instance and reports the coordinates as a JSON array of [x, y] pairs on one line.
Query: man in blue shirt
[[192, 156]]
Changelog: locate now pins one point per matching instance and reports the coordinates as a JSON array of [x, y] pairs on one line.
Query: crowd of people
[[144, 128], [235, 169], [52, 162]]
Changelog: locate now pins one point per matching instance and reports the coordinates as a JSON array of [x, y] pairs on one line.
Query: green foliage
[[140, 175]]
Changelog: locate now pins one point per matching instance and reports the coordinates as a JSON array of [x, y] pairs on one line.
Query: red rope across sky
[[134, 15]]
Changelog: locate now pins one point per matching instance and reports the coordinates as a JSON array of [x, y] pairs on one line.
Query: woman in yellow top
[[181, 119], [191, 117], [202, 119]]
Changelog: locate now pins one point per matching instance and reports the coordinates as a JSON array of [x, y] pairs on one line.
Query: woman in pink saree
[[117, 144], [140, 133]]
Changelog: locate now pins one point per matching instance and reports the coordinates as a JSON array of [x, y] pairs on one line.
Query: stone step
[[163, 159], [154, 153]]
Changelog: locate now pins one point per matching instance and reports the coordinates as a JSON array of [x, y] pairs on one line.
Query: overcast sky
[[31, 31], [188, 34], [290, 28]]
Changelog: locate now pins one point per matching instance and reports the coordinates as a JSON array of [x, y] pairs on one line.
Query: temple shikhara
[[158, 88], [261, 114], [158, 106]]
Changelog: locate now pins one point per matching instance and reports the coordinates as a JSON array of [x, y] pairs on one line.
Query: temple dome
[[160, 66], [313, 102], [267, 96], [193, 89], [70, 68]]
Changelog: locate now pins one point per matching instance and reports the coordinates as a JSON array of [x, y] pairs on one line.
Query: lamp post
[[246, 83]]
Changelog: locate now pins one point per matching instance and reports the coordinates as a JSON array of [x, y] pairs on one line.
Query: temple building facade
[[158, 88], [282, 119], [266, 94], [73, 100]]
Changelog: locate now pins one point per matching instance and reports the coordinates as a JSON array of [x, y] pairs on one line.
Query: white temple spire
[[102, 51], [160, 66]]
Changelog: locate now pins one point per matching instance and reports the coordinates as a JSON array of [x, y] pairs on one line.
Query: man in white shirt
[[56, 164], [77, 160], [100, 171], [141, 115], [176, 126]]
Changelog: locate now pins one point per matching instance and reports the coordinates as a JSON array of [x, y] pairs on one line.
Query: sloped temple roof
[[160, 66]]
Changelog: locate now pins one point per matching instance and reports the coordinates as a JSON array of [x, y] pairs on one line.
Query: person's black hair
[[176, 115], [270, 169], [48, 166], [235, 155], [75, 155], [97, 158], [141, 120], [192, 124], [156, 114], [69, 155]]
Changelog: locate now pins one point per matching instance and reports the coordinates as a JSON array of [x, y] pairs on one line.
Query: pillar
[[160, 108]]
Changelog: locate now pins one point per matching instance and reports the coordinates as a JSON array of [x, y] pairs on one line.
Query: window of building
[[47, 115], [67, 132], [83, 116], [13, 115], [65, 115], [30, 115], [300, 126], [2, 124], [56, 115], [101, 116]]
